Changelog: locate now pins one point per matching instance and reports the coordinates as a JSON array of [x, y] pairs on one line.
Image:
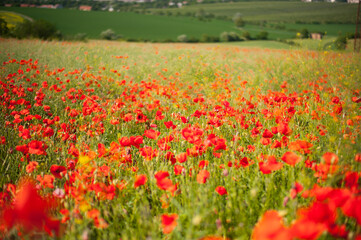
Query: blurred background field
[[200, 22]]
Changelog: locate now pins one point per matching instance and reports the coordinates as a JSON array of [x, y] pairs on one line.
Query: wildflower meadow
[[116, 140]]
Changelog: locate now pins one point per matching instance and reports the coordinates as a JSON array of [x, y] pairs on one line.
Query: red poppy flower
[[307, 229], [300, 146], [136, 141], [221, 190], [22, 148], [267, 134], [276, 144], [330, 158], [178, 169], [270, 227], [30, 211], [124, 142], [140, 180], [266, 141], [37, 147], [141, 118], [297, 187], [114, 121], [170, 157], [151, 133], [202, 176], [169, 222], [57, 171], [284, 129], [270, 165], [203, 164], [101, 150], [192, 135], [181, 158], [48, 132], [2, 140], [148, 153], [170, 125], [165, 183], [128, 117], [161, 174], [31, 166], [46, 181]]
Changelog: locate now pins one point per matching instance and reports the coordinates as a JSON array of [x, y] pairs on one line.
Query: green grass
[[329, 29], [260, 44]]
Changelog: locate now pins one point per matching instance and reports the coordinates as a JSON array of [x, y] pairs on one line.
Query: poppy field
[[109, 140]]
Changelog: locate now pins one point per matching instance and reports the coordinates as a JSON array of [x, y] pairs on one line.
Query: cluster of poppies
[[70, 144]]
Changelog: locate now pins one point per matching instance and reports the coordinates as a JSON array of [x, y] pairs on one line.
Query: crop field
[[127, 24], [135, 26], [11, 18], [279, 11], [109, 140]]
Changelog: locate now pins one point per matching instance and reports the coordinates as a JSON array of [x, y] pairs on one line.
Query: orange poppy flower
[[291, 158]]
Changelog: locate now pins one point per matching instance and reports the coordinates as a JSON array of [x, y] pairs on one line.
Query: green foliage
[[4, 30], [262, 35], [109, 34], [304, 33], [246, 35], [229, 37], [341, 42], [23, 30], [43, 29], [238, 20], [207, 38], [36, 29], [182, 38]]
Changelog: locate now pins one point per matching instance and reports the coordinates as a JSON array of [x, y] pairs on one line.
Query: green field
[[159, 28], [276, 11], [127, 24]]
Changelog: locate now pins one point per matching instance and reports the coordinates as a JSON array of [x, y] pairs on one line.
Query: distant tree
[[207, 38], [200, 14], [262, 35], [81, 37], [246, 35], [229, 37], [234, 36], [43, 29], [238, 21], [193, 40], [23, 30], [109, 34], [341, 42], [182, 38], [4, 30], [304, 33], [224, 37]]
